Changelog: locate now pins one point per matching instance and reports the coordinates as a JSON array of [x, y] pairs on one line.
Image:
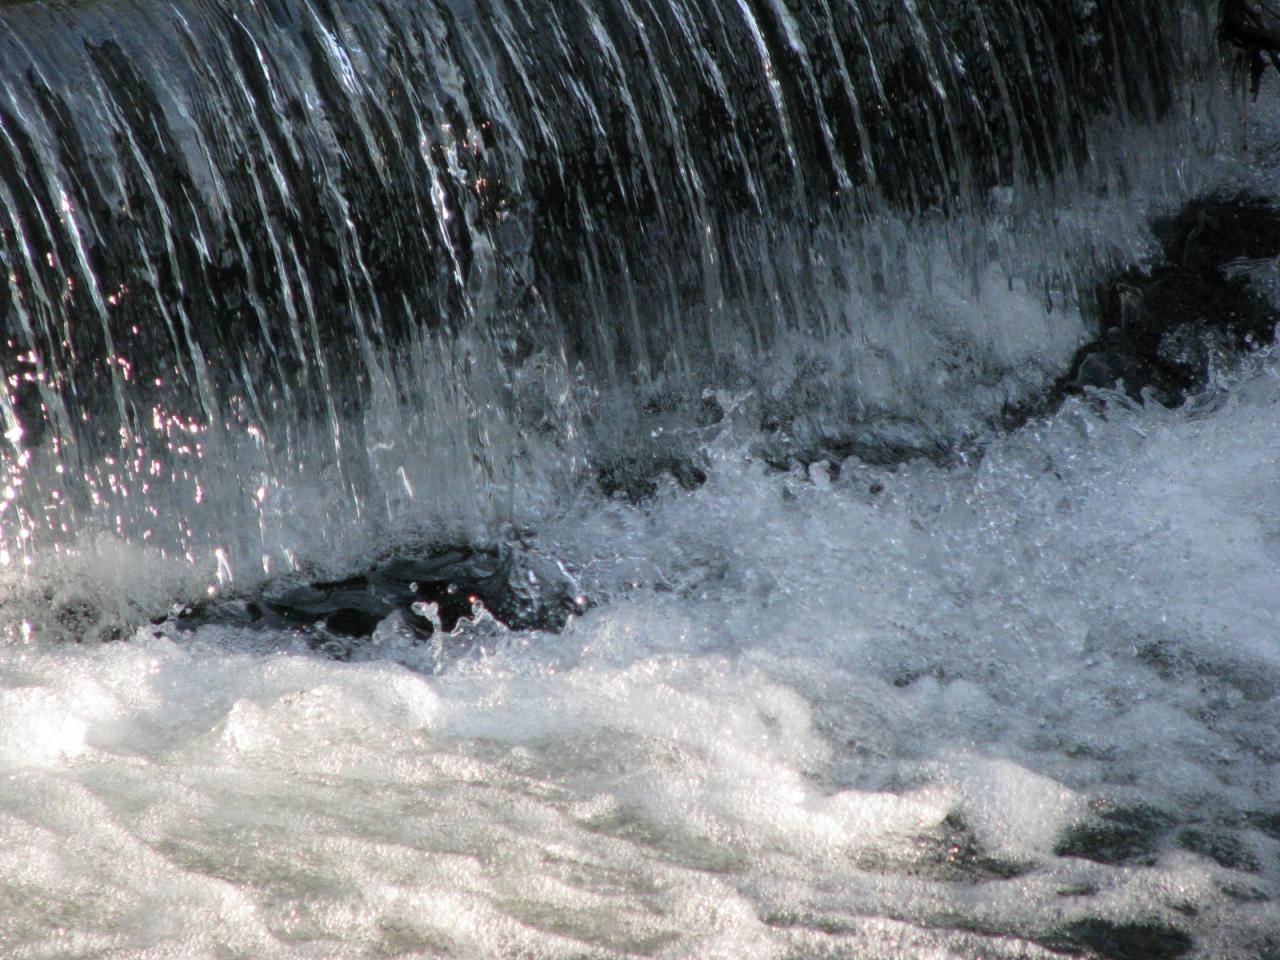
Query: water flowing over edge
[[289, 280]]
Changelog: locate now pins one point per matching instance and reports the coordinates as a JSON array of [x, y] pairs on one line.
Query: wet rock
[[1268, 823], [635, 477], [1165, 328], [78, 617], [1216, 230], [1082, 889], [1253, 27], [1174, 659], [82, 619], [1103, 369], [952, 853], [882, 443], [1242, 893], [1142, 940], [428, 591], [1162, 331]]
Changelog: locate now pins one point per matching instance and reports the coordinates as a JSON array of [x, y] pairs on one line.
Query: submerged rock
[[1137, 834], [428, 591], [1117, 834], [1253, 27], [1221, 845], [1143, 940], [635, 478]]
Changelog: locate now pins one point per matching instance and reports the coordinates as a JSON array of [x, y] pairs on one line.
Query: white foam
[[845, 725]]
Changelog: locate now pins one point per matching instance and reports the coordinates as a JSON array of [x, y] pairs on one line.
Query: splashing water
[[293, 284], [286, 280]]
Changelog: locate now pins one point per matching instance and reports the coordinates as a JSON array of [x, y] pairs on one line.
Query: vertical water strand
[[615, 78], [248, 139], [616, 173], [42, 273], [137, 118], [758, 172], [260, 160], [1018, 174], [955, 164], [779, 101], [714, 90], [902, 196], [1052, 117], [800, 49], [35, 341], [665, 59], [218, 142], [340, 62], [871, 197]]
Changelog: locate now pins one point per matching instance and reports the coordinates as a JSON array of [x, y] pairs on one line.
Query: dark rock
[[1268, 823], [688, 474], [1215, 230], [1079, 890], [907, 676], [1164, 329], [429, 590], [882, 443], [1244, 894], [81, 619], [1109, 369], [1172, 659], [635, 477], [710, 413], [1143, 940], [1254, 29], [77, 616], [952, 853]]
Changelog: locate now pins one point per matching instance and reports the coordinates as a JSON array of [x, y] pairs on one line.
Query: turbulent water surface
[[1013, 694], [1031, 701]]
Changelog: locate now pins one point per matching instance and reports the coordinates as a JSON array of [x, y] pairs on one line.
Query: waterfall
[[746, 479], [282, 277]]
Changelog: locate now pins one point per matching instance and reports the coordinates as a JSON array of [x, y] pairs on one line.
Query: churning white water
[[811, 720]]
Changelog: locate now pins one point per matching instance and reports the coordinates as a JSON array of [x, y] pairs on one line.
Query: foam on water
[[1022, 705], [810, 720]]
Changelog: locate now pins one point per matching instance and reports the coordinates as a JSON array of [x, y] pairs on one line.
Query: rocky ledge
[[1211, 294]]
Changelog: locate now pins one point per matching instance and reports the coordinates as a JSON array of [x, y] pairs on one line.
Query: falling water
[[343, 269], [726, 319]]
